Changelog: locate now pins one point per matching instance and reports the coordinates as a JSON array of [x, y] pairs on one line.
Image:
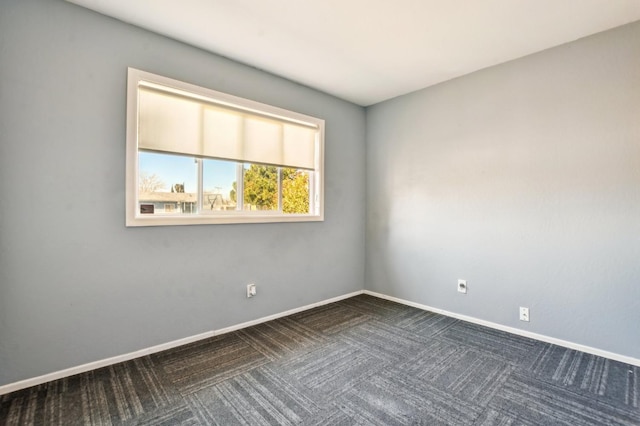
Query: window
[[197, 156]]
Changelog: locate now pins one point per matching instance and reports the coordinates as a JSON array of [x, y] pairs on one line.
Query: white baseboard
[[286, 313], [512, 330], [12, 387]]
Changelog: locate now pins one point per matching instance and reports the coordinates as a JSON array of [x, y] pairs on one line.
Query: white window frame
[[135, 218]]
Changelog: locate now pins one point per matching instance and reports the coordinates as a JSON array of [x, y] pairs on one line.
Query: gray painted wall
[[77, 286], [523, 179]]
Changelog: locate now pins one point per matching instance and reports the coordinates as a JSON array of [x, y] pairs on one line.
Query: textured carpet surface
[[360, 361]]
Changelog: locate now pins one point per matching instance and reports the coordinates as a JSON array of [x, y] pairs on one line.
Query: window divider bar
[[280, 206], [240, 186], [199, 189]]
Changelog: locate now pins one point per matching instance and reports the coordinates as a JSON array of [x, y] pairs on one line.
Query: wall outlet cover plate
[[251, 290]]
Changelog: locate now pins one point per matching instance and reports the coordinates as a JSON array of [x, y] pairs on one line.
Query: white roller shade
[[262, 140], [299, 146], [169, 123], [173, 123], [223, 131]]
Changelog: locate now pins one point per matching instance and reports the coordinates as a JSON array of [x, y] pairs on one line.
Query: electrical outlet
[[462, 286], [251, 290], [524, 314]]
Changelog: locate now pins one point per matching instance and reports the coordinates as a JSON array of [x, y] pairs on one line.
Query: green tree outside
[[261, 189], [295, 191]]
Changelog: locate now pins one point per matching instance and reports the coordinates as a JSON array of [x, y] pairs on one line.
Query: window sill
[[167, 220]]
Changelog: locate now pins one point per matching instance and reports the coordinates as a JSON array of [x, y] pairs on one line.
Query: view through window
[[196, 156]]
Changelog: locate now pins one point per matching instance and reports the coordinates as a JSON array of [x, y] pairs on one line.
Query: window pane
[[295, 191], [219, 185], [260, 187], [167, 184], [197, 156]]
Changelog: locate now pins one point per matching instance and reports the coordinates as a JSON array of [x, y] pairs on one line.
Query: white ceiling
[[367, 51]]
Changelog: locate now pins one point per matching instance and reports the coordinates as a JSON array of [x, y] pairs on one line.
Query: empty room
[[320, 212]]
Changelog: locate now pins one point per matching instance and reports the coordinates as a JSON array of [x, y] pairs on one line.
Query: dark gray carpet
[[361, 361]]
